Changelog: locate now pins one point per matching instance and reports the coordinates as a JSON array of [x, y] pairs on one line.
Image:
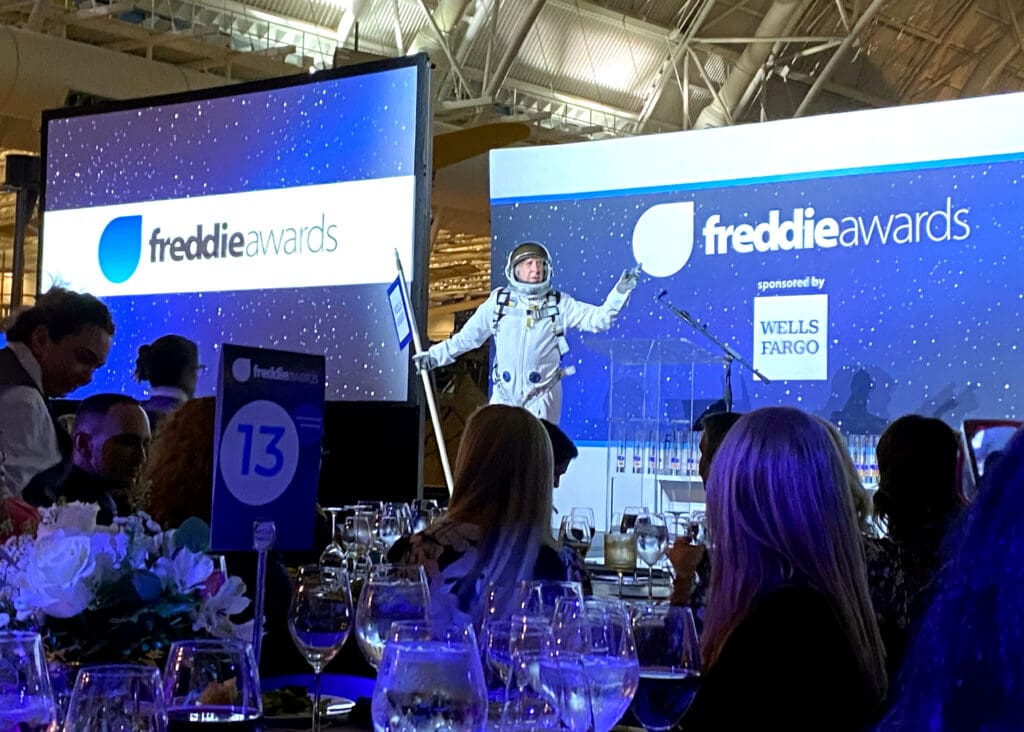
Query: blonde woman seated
[[497, 530], [790, 640]]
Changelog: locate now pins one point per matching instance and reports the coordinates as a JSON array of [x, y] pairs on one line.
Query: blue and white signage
[[270, 409]]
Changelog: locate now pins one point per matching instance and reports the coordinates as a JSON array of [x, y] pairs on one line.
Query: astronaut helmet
[[522, 252]]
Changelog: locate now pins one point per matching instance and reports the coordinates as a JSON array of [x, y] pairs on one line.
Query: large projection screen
[[262, 214], [869, 263]]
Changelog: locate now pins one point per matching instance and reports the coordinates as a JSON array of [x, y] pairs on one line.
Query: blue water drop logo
[[121, 248]]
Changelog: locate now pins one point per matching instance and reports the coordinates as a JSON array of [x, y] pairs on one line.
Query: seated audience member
[[963, 669], [563, 449], [110, 439], [498, 526], [790, 639], [171, 366], [916, 500], [690, 561], [179, 480], [54, 347]]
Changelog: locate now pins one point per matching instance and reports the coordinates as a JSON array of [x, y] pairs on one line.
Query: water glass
[[537, 598], [390, 593], [26, 699], [430, 680], [117, 697], [651, 534], [669, 656], [620, 554], [600, 630], [319, 620], [212, 682], [547, 687]]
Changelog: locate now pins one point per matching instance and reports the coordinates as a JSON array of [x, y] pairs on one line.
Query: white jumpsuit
[[527, 369]]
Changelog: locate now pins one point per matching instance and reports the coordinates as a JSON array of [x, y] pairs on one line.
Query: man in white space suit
[[528, 320]]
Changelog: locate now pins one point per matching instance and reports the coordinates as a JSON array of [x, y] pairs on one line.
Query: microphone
[[661, 294]]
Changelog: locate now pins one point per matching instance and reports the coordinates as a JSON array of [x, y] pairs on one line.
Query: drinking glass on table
[[669, 656], [390, 593], [628, 518], [212, 682], [537, 598], [586, 514], [333, 554], [320, 619], [620, 554], [26, 698], [651, 534], [575, 533], [117, 697], [430, 680], [547, 687], [600, 630]]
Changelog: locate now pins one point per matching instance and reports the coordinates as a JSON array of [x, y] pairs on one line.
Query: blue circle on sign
[[259, 452]]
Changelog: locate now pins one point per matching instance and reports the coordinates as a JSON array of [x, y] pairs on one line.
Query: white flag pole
[[428, 386]]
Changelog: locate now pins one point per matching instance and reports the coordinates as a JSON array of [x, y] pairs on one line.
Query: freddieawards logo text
[[663, 238], [121, 243]]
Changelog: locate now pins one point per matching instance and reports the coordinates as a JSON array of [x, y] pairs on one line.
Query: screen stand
[[263, 535]]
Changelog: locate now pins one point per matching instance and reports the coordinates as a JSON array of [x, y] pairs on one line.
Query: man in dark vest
[[53, 348]]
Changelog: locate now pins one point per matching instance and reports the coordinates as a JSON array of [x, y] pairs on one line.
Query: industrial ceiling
[[568, 69]]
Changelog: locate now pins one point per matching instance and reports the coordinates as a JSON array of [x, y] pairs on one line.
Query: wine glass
[[212, 682], [357, 535], [389, 530], [26, 699], [587, 514], [116, 697], [423, 512], [320, 619], [669, 655], [629, 516], [575, 533], [429, 679], [334, 553], [601, 631], [651, 535], [390, 593], [537, 598], [547, 687]]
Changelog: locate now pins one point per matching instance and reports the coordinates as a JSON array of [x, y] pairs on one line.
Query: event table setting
[[545, 656]]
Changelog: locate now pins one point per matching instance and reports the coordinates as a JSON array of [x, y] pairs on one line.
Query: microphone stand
[[730, 353]]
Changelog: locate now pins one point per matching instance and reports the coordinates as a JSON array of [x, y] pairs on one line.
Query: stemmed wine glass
[[390, 593], [423, 512], [669, 655], [212, 682], [26, 699], [320, 619], [116, 697], [575, 533], [586, 514], [429, 679], [651, 534], [601, 631], [537, 598], [334, 553]]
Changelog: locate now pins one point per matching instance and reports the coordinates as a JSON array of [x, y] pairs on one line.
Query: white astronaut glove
[[424, 362], [628, 280]]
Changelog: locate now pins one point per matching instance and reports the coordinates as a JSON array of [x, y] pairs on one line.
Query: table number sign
[[269, 426]]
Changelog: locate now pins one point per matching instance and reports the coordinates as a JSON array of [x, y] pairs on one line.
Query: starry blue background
[[937, 325], [332, 130]]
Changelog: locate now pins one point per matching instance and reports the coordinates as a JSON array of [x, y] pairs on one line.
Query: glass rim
[[108, 669], [204, 643]]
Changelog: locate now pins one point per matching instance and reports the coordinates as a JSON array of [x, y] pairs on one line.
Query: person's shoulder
[[23, 397]]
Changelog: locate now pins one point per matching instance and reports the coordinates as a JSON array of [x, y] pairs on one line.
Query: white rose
[[56, 577]]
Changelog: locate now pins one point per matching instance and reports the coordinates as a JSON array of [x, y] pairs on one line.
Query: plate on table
[[282, 708]]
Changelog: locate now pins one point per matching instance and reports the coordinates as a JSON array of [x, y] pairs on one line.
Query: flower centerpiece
[[119, 593]]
